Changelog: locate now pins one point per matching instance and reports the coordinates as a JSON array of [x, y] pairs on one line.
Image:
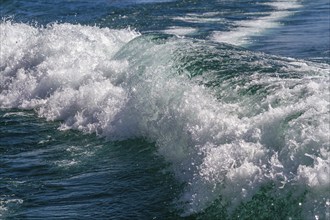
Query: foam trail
[[255, 27], [229, 121], [209, 17], [180, 31]]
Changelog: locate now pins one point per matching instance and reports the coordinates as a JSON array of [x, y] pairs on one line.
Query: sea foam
[[244, 30]]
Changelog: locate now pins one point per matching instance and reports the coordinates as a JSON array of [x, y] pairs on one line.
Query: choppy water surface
[[164, 110]]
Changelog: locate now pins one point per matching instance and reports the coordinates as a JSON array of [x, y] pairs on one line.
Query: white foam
[[241, 35], [180, 31], [43, 61], [210, 17], [93, 80], [7, 201]]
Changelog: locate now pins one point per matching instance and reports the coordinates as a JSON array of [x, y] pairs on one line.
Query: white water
[[95, 81], [241, 35], [180, 31]]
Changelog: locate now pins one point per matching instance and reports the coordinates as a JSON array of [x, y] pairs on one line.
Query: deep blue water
[[155, 109]]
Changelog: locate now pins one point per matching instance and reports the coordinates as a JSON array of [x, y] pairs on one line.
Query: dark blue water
[[305, 35], [66, 174], [155, 109]]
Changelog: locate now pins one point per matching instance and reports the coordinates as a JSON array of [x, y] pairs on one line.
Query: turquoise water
[[164, 110]]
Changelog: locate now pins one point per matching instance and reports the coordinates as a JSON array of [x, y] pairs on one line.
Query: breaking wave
[[234, 124]]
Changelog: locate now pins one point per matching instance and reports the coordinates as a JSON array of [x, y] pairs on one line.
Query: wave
[[230, 121]]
